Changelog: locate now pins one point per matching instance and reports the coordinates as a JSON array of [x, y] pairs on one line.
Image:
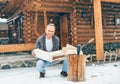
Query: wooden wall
[[110, 14], [82, 22], [28, 27]]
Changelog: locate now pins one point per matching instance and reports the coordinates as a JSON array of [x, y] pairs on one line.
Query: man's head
[[50, 30]]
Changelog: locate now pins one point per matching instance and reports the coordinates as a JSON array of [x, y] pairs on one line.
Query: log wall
[[82, 22], [27, 28], [110, 12]]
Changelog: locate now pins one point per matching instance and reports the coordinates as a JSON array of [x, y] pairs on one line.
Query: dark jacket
[[40, 43]]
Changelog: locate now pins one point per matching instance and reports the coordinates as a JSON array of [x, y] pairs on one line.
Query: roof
[[8, 8]]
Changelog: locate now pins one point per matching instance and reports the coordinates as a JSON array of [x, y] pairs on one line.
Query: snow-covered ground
[[108, 73]]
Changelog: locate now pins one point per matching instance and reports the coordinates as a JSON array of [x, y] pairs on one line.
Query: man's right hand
[[33, 54]]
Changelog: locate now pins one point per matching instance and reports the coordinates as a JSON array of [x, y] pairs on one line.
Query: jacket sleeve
[[57, 43], [37, 44]]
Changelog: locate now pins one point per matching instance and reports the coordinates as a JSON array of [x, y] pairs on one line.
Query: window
[[117, 20]]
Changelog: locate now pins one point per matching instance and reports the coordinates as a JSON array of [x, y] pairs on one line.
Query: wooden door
[[63, 30]]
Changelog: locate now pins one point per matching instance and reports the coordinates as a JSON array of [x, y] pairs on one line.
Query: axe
[[80, 47]]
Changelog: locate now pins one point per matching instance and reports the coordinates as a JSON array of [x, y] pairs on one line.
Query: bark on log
[[76, 68]]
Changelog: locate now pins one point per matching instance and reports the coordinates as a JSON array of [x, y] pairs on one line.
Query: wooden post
[[114, 1], [36, 23], [64, 30], [45, 19], [76, 68], [98, 30]]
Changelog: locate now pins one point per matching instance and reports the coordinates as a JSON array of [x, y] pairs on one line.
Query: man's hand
[[33, 54], [56, 60]]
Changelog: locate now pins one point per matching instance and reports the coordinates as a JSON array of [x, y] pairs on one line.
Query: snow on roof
[[3, 20]]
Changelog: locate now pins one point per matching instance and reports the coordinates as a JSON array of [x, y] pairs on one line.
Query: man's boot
[[42, 75], [64, 74]]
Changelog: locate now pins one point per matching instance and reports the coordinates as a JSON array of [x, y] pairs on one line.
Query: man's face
[[50, 30]]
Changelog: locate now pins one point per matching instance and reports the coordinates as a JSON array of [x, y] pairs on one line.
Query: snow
[[108, 73], [3, 20]]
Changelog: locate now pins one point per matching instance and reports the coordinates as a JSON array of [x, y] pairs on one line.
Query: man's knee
[[39, 63]]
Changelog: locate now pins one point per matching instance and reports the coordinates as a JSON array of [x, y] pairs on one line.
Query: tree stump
[[76, 68]]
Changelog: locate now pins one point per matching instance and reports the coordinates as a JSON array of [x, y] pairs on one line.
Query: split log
[[76, 68]]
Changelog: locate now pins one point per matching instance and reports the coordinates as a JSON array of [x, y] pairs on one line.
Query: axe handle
[[90, 40], [86, 43]]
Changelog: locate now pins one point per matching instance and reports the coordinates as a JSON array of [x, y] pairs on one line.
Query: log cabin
[[77, 21]]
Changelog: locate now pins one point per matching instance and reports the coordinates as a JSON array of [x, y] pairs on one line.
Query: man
[[49, 42]]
